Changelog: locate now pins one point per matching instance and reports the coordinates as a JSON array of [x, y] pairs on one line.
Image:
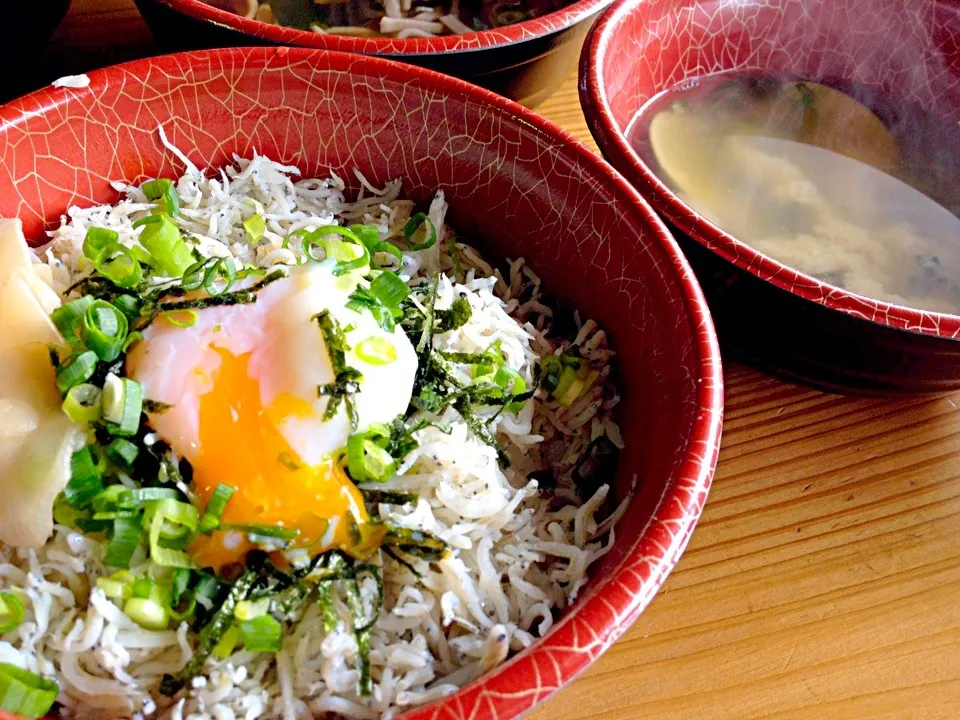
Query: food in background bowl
[[522, 50], [392, 18], [598, 250], [837, 295]]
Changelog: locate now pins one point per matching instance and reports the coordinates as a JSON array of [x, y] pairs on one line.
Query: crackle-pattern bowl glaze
[[525, 62], [516, 184], [766, 313]]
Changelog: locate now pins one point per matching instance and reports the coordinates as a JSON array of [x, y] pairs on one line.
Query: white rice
[[516, 561]]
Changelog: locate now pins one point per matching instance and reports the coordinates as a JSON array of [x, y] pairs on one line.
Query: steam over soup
[[860, 193]]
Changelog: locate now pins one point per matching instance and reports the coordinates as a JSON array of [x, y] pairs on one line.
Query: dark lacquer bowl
[[525, 62], [517, 185], [29, 27], [766, 313]]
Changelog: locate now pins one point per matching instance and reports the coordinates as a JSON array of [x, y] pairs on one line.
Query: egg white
[[288, 355]]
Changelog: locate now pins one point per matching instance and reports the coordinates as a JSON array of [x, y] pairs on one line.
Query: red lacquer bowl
[[517, 185], [766, 313], [526, 62]]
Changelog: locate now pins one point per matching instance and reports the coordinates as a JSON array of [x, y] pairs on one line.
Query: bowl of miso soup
[[807, 155]]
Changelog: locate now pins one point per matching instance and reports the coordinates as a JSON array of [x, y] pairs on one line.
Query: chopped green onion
[[114, 589], [370, 236], [163, 190], [215, 506], [250, 609], [25, 693], [129, 306], [193, 276], [66, 514], [255, 227], [261, 634], [123, 452], [121, 268], [181, 318], [68, 319], [181, 579], [415, 223], [78, 369], [228, 643], [367, 457], [82, 404], [123, 542], [389, 289], [222, 267], [122, 404], [11, 612], [85, 480], [270, 531], [210, 634], [104, 330], [162, 240], [147, 613], [376, 350], [337, 249], [512, 383], [175, 513], [367, 234], [132, 338], [98, 242], [111, 498], [112, 259]]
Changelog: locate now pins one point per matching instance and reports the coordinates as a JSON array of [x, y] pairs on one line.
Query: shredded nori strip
[[347, 379], [210, 635], [389, 552], [480, 429], [155, 407], [417, 543], [237, 297], [456, 317], [387, 497], [325, 598]]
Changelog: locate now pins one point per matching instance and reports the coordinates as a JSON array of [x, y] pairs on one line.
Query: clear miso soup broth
[[841, 183]]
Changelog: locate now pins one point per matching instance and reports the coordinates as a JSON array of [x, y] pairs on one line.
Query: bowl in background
[[525, 62], [769, 314], [30, 26], [519, 184]]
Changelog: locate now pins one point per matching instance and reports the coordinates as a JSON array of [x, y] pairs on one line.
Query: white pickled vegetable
[[23, 317], [33, 479], [14, 253], [37, 439]]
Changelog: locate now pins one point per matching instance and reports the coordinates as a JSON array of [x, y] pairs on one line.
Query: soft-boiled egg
[[242, 383]]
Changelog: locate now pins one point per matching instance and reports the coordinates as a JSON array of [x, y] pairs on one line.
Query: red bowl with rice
[[512, 180]]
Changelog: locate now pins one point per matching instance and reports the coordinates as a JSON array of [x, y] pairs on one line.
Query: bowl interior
[[566, 17], [910, 51], [515, 185]]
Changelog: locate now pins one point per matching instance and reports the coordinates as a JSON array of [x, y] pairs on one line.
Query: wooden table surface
[[823, 580]]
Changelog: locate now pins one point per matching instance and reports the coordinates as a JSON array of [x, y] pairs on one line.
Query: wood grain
[[824, 578]]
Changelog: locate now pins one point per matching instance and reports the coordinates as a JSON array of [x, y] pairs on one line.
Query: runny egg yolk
[[241, 446]]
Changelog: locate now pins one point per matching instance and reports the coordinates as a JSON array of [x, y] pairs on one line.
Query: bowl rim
[[609, 605], [548, 24], [618, 151]]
